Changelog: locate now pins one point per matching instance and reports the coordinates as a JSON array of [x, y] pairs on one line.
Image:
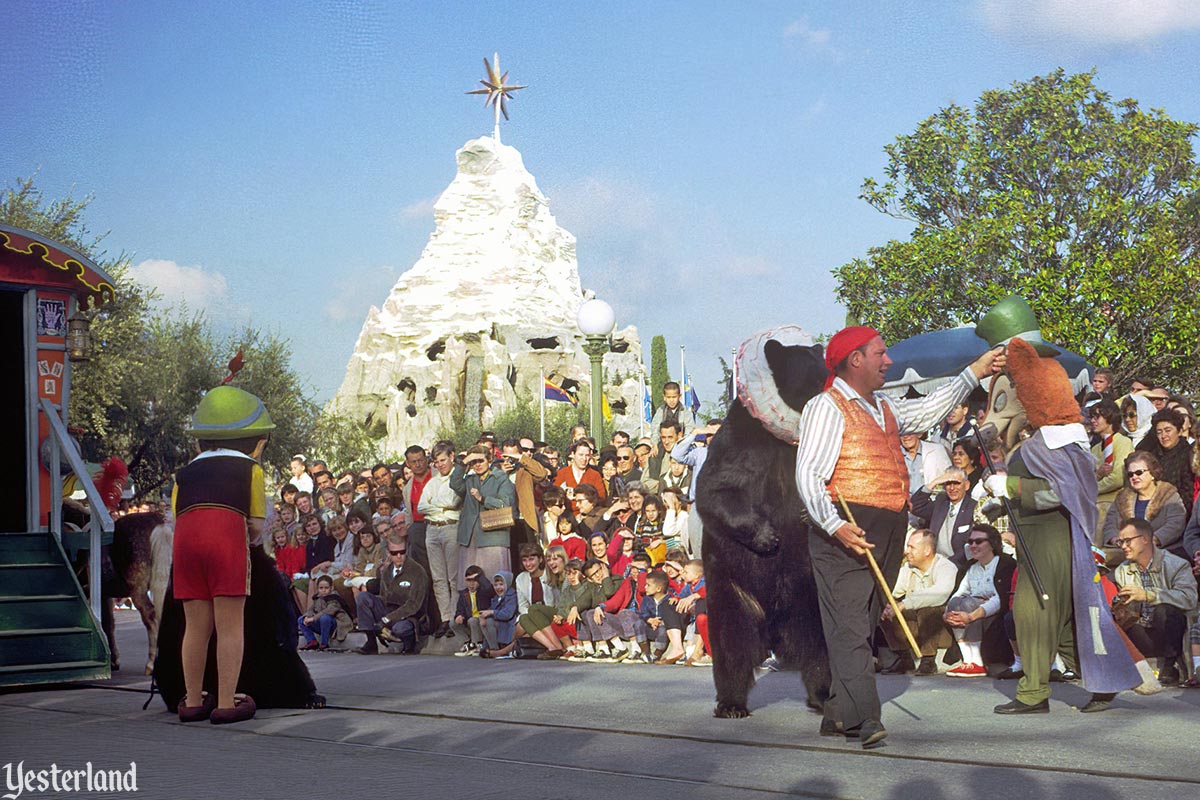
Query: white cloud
[[419, 209], [358, 292], [817, 40], [1094, 21], [197, 287]]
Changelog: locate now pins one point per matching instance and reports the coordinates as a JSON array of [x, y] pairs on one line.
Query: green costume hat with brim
[[227, 412], [1012, 318]]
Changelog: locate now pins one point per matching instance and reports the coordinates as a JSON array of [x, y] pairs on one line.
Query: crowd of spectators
[[955, 588], [520, 548]]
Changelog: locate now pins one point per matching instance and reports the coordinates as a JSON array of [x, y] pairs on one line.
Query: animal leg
[[735, 632]]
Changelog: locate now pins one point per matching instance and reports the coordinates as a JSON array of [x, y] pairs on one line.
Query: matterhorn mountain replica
[[489, 308]]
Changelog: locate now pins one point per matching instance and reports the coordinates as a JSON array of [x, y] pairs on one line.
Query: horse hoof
[[726, 711]]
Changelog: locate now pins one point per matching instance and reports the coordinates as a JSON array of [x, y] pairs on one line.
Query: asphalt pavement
[[442, 727]]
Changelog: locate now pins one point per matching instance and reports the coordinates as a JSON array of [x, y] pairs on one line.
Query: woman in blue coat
[[483, 488]]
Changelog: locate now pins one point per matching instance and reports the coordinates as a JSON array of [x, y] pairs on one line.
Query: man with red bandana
[[849, 449]]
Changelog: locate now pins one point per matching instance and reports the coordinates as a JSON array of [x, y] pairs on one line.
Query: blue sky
[[276, 163]]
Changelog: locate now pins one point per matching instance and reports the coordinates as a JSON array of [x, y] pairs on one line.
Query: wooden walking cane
[[887, 591]]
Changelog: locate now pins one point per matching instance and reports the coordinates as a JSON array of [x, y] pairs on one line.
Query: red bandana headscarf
[[843, 343]]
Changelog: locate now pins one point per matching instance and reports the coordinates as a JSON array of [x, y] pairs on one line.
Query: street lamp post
[[596, 321]]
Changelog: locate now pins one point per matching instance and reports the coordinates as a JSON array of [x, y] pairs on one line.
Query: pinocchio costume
[[849, 449]]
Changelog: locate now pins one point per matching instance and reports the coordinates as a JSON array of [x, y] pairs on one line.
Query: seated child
[[472, 601], [569, 538], [500, 621], [651, 612], [623, 605], [689, 606], [289, 557], [327, 616]]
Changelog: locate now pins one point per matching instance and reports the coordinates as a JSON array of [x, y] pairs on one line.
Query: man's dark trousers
[[850, 602]]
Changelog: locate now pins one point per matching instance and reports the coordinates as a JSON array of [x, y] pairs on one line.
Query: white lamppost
[[596, 321]]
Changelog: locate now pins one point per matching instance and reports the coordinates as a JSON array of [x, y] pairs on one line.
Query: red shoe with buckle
[[967, 671]]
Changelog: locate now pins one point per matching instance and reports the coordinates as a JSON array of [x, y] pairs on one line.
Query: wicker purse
[[494, 519]]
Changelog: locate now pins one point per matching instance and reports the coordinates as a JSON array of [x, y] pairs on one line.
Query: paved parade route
[[451, 727], [442, 727]]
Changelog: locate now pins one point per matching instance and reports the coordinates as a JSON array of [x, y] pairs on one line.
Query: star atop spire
[[497, 89]]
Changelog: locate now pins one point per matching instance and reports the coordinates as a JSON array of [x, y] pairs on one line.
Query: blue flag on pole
[[647, 406], [558, 394], [689, 394]]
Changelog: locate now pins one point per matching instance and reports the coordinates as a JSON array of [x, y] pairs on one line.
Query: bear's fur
[[761, 593]]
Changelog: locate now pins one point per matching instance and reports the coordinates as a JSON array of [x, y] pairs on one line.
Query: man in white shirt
[[925, 582], [441, 506]]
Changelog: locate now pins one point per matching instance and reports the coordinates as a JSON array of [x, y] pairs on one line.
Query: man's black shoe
[[1017, 707], [1099, 702], [871, 734], [1011, 674], [1169, 675], [1063, 676], [831, 727], [442, 630], [928, 665], [371, 648], [900, 666]]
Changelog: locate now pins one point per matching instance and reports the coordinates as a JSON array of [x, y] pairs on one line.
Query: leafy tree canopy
[[151, 365], [1087, 206]]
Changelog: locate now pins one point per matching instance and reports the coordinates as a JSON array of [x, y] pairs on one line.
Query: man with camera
[[1157, 592], [524, 471]]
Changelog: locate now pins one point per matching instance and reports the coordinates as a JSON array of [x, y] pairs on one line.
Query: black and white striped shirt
[[822, 426]]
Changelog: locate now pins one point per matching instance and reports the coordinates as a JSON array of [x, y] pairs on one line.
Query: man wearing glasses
[[948, 515], [1160, 590], [394, 603]]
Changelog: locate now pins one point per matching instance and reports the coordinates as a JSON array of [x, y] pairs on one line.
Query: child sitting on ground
[[651, 612], [691, 604], [327, 616], [472, 601], [500, 621], [624, 604]]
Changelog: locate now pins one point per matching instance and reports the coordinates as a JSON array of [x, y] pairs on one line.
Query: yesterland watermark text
[[18, 780]]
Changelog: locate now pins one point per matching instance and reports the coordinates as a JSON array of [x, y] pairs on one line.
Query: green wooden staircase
[[47, 631]]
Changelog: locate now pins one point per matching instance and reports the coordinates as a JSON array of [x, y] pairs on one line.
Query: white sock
[[1058, 664], [589, 648], [1196, 664], [1016, 665], [970, 652], [617, 645]]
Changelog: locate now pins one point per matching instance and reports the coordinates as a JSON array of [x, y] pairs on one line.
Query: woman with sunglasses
[[1150, 498], [981, 599]]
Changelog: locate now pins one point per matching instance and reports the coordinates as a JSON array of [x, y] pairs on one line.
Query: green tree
[[150, 365], [660, 373], [1088, 207], [719, 408]]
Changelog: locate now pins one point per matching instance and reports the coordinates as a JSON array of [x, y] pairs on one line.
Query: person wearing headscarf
[[849, 450], [1136, 412]]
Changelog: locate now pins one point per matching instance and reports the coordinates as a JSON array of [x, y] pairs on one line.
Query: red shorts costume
[[214, 497]]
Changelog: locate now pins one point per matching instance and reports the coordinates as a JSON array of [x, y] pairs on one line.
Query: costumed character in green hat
[[219, 503], [1051, 481]]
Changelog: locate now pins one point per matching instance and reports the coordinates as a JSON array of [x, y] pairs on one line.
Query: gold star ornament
[[497, 89]]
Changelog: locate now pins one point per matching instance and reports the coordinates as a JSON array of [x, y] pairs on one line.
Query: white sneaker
[[467, 649]]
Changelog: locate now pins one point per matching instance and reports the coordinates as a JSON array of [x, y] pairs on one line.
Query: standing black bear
[[761, 594]]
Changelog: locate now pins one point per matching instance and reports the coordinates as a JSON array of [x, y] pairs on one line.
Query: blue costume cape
[[1104, 662]]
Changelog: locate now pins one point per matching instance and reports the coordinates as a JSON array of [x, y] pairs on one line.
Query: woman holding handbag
[[487, 514]]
